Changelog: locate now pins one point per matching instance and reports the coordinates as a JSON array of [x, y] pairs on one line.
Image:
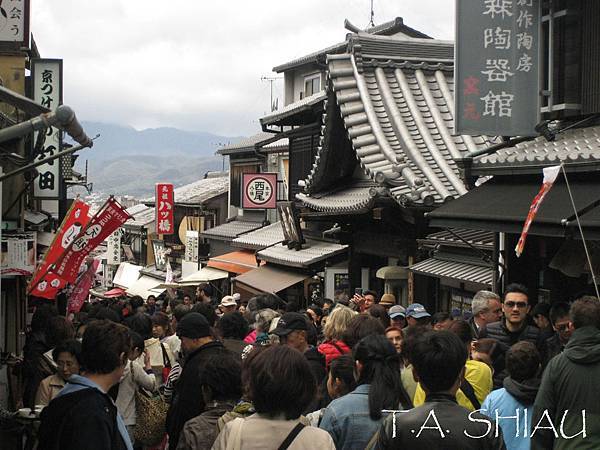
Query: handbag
[[151, 417]]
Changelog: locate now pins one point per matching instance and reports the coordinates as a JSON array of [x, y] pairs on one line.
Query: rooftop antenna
[[271, 80], [372, 21]]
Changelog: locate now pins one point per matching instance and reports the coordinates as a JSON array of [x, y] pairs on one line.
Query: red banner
[[110, 217], [165, 217], [82, 289], [75, 220], [550, 175]]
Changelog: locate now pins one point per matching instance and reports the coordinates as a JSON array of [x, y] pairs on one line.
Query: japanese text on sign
[[14, 16], [259, 190], [47, 78], [165, 217], [496, 72]]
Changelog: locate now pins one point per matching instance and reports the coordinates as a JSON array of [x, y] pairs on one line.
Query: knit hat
[[193, 326]]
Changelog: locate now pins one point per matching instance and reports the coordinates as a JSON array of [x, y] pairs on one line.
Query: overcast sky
[[197, 64]]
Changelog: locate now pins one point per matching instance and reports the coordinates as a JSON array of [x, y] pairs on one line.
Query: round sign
[[259, 190]]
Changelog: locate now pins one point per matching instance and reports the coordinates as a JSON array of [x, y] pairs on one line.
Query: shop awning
[[502, 205], [455, 270], [234, 262], [145, 286], [270, 279], [112, 293], [204, 275], [127, 274]]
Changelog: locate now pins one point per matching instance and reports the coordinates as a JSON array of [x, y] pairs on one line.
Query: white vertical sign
[[192, 239], [47, 91], [14, 18], [113, 248]]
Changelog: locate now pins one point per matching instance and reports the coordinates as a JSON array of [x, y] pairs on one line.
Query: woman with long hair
[[337, 323], [352, 420]]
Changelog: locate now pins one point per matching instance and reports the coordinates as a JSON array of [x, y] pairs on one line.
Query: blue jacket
[[502, 402], [347, 420]]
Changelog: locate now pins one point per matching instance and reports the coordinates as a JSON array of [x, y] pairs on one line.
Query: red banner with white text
[[110, 217], [165, 217], [75, 220]]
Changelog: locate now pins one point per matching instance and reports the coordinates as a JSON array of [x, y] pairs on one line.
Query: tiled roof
[[355, 199], [230, 230], [461, 237], [261, 238], [576, 146], [384, 29], [311, 252], [202, 190], [457, 270], [247, 144], [397, 110], [293, 108], [142, 215]]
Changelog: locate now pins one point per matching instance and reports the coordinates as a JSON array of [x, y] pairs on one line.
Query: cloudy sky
[[197, 64]]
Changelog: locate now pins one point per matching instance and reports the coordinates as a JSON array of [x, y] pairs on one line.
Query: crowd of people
[[362, 373]]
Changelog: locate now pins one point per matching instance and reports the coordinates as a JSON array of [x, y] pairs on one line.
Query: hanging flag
[[75, 220], [110, 217], [550, 175], [82, 288]]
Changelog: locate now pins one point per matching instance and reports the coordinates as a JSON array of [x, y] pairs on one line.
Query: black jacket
[[415, 429], [316, 361], [553, 347], [187, 399], [85, 419], [570, 383], [507, 339]]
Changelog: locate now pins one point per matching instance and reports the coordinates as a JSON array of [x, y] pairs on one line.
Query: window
[[312, 84], [235, 188]]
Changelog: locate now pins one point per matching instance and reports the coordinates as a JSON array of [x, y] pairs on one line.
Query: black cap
[[193, 325], [289, 322]]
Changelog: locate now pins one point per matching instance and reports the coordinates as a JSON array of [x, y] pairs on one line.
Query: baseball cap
[[228, 300], [193, 326], [397, 311], [289, 322], [416, 311]]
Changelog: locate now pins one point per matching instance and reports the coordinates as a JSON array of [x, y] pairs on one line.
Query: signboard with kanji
[[259, 191], [192, 240], [113, 248], [496, 67], [47, 91], [18, 253], [165, 217], [14, 22]]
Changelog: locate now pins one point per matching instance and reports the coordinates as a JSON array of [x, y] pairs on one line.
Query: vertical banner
[[108, 219], [165, 217], [46, 75], [82, 288], [192, 239], [75, 220], [113, 248], [160, 254], [496, 79], [14, 22]]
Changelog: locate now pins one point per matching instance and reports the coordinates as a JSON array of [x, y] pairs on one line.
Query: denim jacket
[[347, 419]]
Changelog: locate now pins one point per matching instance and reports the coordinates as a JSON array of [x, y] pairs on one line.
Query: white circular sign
[[259, 190]]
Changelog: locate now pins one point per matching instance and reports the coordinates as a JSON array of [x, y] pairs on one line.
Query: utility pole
[[271, 80]]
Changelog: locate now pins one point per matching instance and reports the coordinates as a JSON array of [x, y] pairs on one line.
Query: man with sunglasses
[[559, 318], [512, 328]]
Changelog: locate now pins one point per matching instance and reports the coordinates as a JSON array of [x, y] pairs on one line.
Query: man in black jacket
[[438, 359], [197, 345], [559, 318], [512, 329], [83, 416]]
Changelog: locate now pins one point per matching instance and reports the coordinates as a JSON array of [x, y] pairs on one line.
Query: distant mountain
[[126, 161]]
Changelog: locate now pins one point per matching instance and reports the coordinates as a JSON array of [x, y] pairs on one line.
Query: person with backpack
[[83, 416]]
